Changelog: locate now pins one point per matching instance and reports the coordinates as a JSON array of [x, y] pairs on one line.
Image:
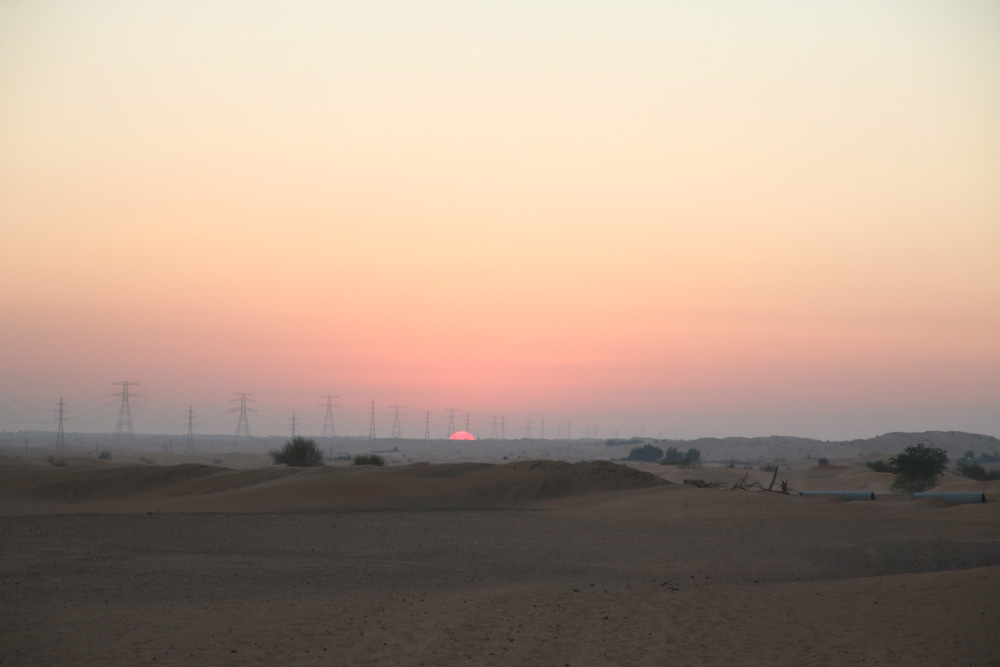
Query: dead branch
[[771, 485]]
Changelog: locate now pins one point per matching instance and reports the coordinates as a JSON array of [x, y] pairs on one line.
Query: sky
[[625, 218]]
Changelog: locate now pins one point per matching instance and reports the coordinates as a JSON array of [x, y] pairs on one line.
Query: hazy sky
[[669, 218]]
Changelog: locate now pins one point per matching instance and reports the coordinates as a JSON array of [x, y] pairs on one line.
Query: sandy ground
[[530, 563]]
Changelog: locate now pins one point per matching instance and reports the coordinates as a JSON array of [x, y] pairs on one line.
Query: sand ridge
[[531, 562]]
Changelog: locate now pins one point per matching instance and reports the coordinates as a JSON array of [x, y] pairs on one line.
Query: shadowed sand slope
[[192, 487], [533, 563]]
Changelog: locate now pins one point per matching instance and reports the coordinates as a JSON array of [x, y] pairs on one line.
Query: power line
[[328, 430], [396, 430], [60, 435], [189, 444], [242, 422], [371, 424], [451, 422], [124, 425], [427, 425]]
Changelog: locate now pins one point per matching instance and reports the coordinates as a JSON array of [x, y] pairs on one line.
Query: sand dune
[[531, 562], [202, 488]]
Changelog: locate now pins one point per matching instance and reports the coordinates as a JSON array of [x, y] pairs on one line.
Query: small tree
[[823, 461], [978, 472], [918, 468], [298, 452]]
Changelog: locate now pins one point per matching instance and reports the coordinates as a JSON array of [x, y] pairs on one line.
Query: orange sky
[[722, 220]]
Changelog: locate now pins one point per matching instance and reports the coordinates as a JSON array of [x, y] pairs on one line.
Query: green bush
[[978, 472], [53, 461], [674, 456], [105, 455], [298, 452], [918, 468], [645, 453], [823, 461], [369, 460]]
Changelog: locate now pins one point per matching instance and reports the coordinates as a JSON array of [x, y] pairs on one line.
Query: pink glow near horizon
[[610, 216]]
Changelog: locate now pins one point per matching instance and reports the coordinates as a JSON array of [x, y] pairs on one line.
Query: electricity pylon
[[124, 426], [60, 435], [242, 423], [527, 432], [451, 423], [493, 432], [328, 430], [293, 420], [427, 425], [371, 424], [397, 432], [189, 444]]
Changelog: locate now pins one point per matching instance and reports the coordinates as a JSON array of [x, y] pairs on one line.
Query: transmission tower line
[[293, 420], [328, 430], [502, 436], [527, 431], [396, 430], [542, 436], [569, 430], [451, 423], [493, 432], [60, 434], [242, 423], [189, 443], [371, 424], [467, 422], [427, 425], [124, 426]]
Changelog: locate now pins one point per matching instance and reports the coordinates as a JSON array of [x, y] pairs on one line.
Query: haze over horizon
[[682, 220]]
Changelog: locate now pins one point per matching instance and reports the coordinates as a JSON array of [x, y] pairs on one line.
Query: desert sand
[[522, 563]]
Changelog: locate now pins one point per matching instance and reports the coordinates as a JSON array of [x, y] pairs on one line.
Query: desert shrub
[[645, 453], [823, 461], [53, 461], [978, 472], [105, 455], [880, 466], [298, 452], [671, 457], [369, 460], [918, 468], [147, 460]]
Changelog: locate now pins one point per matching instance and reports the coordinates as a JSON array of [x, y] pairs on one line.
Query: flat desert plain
[[524, 563]]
